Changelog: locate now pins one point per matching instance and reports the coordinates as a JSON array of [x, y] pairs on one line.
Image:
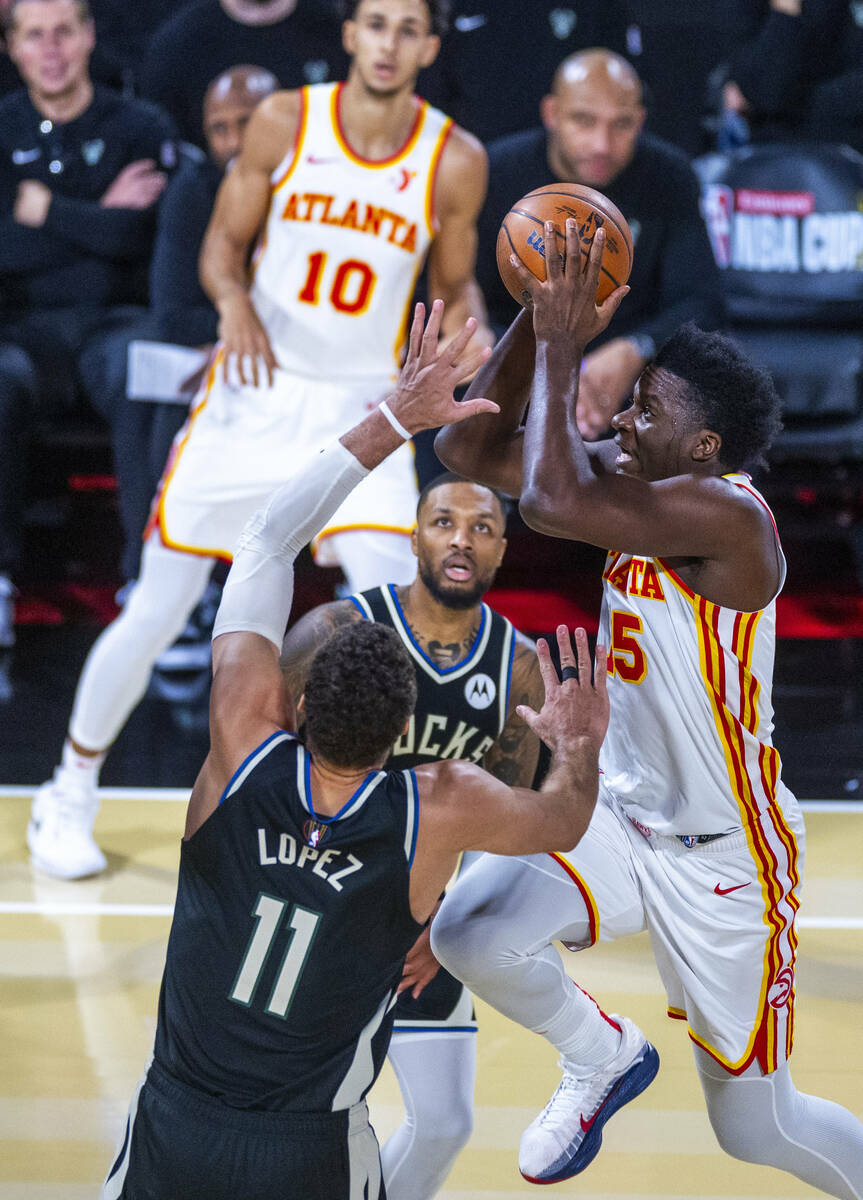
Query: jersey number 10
[[303, 924], [351, 289]]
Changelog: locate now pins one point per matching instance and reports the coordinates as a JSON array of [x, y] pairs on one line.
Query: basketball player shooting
[[262, 1060], [695, 836], [341, 189]]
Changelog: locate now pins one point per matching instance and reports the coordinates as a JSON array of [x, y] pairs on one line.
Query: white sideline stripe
[[181, 796], [171, 795], [59, 908]]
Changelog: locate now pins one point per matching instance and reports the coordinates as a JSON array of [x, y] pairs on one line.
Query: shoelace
[[571, 1094]]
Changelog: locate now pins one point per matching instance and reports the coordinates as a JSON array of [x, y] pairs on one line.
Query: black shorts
[[180, 1144], [445, 1003]]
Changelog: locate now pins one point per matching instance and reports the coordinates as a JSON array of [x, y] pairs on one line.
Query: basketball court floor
[[81, 964]]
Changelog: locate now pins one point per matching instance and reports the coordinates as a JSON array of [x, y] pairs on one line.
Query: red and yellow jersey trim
[[586, 895], [299, 139], [759, 813], [436, 156], [374, 163], [157, 519]]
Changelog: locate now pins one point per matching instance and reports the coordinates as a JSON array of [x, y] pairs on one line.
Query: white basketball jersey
[[344, 242], [689, 748]]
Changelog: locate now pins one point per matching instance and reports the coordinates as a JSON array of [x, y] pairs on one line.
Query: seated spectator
[[298, 40], [180, 310], [593, 135], [507, 40], [106, 63], [800, 75], [81, 169]]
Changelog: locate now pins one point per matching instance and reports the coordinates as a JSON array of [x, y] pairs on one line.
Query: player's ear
[[707, 445], [502, 551], [548, 110], [349, 37], [301, 706], [431, 49], [414, 542]]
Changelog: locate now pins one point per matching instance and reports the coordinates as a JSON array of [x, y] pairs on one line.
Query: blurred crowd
[[117, 124]]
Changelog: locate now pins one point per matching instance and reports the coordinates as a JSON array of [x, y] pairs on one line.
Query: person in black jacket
[[81, 169], [592, 134], [298, 40]]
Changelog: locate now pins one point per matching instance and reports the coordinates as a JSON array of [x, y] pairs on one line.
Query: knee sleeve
[[764, 1119]]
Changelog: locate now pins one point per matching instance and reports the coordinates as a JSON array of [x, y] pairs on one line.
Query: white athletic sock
[[80, 769], [582, 1032]]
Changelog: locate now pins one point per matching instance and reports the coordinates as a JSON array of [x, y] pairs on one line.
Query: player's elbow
[[543, 510], [454, 451]]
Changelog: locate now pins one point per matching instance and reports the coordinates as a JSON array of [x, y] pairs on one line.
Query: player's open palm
[[424, 398], [575, 707], [565, 302]]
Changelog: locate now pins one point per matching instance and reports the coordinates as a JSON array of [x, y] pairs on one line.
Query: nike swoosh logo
[[466, 24], [588, 1125], [721, 891], [319, 162], [19, 157]]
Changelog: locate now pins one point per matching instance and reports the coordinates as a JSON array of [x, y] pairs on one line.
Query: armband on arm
[[259, 589]]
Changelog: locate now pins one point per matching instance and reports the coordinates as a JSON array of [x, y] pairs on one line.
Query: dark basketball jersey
[[460, 710], [288, 939]]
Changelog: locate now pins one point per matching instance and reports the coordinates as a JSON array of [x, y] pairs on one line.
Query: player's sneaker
[[60, 832], [567, 1134]]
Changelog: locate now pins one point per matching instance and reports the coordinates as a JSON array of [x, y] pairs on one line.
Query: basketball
[[523, 234]]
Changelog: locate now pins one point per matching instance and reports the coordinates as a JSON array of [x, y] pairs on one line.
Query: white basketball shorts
[[720, 917], [241, 443]]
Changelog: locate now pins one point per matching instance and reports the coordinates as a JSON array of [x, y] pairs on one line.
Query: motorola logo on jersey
[[781, 988], [480, 691]]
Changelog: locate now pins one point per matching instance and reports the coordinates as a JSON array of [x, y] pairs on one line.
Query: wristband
[[394, 421]]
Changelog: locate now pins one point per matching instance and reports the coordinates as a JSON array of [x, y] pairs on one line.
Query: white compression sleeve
[[259, 589]]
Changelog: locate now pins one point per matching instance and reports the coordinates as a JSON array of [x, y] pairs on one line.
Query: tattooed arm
[[513, 757], [304, 639]]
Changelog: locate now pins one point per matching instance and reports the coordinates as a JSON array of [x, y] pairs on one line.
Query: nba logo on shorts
[[781, 988], [480, 691], [718, 207]]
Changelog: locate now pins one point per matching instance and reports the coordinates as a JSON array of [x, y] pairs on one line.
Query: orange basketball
[[523, 230]]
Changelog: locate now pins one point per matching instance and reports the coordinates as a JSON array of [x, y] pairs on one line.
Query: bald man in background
[[592, 133]]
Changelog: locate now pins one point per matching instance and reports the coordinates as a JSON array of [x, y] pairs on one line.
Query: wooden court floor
[[79, 975]]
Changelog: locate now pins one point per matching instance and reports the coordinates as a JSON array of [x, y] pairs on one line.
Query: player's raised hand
[[565, 301], [574, 707], [246, 346], [424, 398]]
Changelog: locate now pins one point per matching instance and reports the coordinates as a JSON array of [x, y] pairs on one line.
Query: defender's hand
[[245, 341], [565, 302], [574, 708], [421, 966], [423, 398], [32, 201]]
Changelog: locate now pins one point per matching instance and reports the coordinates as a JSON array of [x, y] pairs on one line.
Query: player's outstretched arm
[[464, 808], [247, 698], [489, 450]]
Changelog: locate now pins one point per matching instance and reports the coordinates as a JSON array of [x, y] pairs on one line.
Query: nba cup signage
[[754, 229], [786, 227]]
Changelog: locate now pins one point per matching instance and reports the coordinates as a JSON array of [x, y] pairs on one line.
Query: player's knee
[[744, 1131], [155, 625], [462, 936]]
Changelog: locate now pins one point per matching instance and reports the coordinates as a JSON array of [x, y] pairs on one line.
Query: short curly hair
[[438, 13], [728, 393], [360, 691]]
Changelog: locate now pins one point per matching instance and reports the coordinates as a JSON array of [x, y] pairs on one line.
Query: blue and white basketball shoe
[[567, 1134]]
